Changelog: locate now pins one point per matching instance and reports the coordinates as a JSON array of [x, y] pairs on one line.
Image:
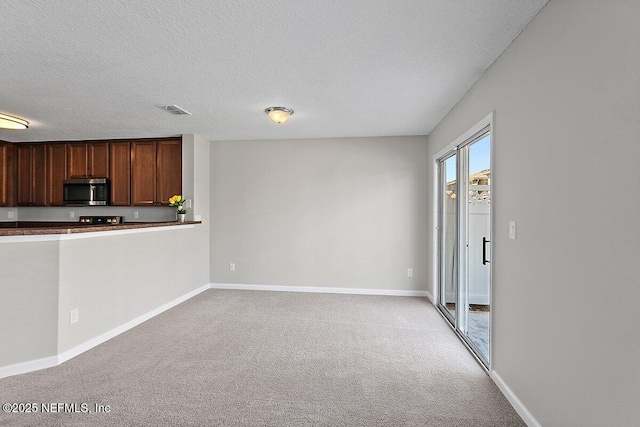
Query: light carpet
[[253, 358]]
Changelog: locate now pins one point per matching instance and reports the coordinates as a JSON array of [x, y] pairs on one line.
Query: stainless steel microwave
[[86, 192]]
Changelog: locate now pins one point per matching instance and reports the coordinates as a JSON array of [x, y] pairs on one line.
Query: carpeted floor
[[250, 358]]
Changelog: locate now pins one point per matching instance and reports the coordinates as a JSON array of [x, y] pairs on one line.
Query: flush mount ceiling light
[[10, 122], [279, 114]]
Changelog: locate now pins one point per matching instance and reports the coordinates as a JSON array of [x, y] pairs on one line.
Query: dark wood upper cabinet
[[143, 173], [24, 175], [77, 160], [32, 174], [88, 159], [98, 159], [156, 171], [120, 172], [169, 170], [7, 174], [56, 173]]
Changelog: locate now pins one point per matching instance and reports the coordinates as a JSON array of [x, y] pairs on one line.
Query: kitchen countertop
[[30, 228]]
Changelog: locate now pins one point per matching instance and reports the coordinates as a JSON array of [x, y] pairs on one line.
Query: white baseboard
[[87, 345], [517, 404], [29, 366], [320, 289], [430, 297], [48, 362]]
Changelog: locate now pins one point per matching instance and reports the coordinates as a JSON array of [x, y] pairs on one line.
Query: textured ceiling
[[80, 69]]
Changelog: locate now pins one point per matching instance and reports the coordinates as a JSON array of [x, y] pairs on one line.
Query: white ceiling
[[80, 69]]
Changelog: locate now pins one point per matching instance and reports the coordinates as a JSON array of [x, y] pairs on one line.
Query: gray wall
[[145, 214], [28, 301], [346, 212], [5, 213], [567, 144]]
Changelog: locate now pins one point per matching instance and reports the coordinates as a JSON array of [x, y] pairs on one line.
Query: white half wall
[[113, 279], [339, 213], [28, 301], [566, 97]]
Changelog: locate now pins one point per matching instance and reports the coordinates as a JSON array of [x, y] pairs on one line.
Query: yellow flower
[[176, 200]]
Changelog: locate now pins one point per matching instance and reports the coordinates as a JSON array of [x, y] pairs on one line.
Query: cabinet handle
[[484, 251]]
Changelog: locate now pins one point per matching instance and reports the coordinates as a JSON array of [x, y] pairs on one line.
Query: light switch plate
[[512, 230]]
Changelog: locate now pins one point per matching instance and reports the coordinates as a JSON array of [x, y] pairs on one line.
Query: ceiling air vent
[[174, 109]]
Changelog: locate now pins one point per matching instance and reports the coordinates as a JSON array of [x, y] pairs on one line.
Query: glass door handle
[[484, 251]]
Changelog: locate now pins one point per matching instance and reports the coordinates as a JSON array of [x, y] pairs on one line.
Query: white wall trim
[[430, 297], [320, 289], [48, 362], [28, 366], [517, 404], [488, 120]]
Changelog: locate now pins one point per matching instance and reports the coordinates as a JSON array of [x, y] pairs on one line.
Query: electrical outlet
[[11, 215], [72, 214], [409, 272], [73, 317], [136, 214], [232, 266], [512, 230]]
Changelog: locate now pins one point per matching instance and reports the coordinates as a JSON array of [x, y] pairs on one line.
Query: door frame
[[460, 141]]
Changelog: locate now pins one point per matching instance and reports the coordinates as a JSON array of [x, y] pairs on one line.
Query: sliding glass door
[[464, 226], [448, 236]]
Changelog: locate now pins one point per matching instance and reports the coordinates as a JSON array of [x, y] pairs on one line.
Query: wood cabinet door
[[7, 171], [24, 175], [169, 170], [120, 173], [32, 174], [98, 160], [143, 173], [56, 173], [39, 161], [77, 153]]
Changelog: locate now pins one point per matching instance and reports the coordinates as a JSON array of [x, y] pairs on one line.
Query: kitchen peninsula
[[67, 287], [66, 290]]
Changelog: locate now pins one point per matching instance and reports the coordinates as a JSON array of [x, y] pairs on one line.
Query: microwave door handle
[[93, 193]]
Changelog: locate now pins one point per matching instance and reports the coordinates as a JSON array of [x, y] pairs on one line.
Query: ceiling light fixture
[[174, 109], [279, 114], [11, 122]]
